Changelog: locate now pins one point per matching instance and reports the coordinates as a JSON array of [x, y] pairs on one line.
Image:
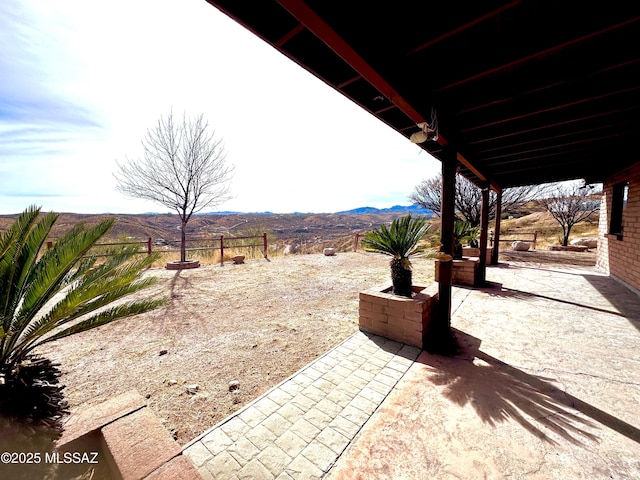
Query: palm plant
[[401, 241], [464, 232], [51, 295]]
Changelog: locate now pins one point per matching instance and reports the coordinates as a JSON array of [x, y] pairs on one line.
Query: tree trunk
[[565, 236], [183, 242], [401, 278]]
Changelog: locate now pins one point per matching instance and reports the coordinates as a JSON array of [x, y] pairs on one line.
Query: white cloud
[[85, 80]]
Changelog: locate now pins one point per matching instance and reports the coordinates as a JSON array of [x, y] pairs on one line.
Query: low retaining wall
[[131, 441]]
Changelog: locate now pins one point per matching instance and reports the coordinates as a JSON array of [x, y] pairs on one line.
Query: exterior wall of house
[[619, 255]]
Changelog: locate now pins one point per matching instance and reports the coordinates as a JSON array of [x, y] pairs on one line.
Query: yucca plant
[[401, 241], [46, 296]]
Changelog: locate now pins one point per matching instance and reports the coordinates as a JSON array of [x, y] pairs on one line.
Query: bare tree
[[468, 198], [569, 205], [183, 167]]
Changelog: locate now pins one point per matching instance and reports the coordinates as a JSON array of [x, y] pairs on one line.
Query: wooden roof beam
[[316, 25], [464, 27], [551, 109], [535, 56], [553, 125]]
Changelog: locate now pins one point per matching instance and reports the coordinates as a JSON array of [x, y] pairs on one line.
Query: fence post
[[222, 250], [264, 243], [535, 238], [355, 243], [149, 246]]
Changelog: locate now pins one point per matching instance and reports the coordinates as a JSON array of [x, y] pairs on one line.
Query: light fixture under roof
[[427, 131], [422, 135]]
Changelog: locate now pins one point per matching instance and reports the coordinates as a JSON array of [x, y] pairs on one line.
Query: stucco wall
[[620, 257]]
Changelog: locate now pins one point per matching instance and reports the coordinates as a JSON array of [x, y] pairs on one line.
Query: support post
[[447, 217], [439, 337], [264, 244], [484, 227], [149, 246], [222, 250], [496, 232], [535, 239]]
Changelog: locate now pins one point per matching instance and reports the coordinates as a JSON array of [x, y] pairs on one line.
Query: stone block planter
[[475, 252], [398, 318], [464, 271]]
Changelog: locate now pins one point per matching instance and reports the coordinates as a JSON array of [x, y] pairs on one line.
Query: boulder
[[520, 246], [329, 252], [589, 242]]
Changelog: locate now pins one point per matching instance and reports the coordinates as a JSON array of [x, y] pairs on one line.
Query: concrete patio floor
[[546, 386]]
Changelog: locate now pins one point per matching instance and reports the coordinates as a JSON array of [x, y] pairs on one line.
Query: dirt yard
[[255, 323]]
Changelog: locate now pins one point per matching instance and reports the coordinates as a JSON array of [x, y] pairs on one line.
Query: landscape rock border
[[568, 248], [178, 265]]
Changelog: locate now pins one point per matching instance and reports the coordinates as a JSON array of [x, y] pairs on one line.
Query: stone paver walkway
[[299, 428]]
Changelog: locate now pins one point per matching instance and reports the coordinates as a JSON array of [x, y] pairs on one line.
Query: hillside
[[303, 229], [548, 229], [294, 228]]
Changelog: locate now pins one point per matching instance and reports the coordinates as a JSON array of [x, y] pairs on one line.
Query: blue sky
[[82, 81]]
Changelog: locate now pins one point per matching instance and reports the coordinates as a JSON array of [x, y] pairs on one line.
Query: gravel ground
[[255, 323]]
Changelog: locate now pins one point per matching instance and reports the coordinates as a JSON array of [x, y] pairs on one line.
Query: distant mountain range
[[400, 209], [303, 228], [413, 209]]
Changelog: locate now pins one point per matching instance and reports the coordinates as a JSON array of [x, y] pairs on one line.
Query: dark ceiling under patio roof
[[526, 91]]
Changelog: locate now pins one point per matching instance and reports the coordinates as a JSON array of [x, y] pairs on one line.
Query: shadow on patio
[[499, 392], [552, 393]]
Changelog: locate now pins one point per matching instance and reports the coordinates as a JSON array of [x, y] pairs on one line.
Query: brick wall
[[620, 257]]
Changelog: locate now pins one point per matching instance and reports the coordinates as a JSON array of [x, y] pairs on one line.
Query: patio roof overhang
[[526, 92]]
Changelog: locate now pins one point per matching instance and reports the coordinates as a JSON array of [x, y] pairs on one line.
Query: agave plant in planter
[[401, 241], [46, 296]]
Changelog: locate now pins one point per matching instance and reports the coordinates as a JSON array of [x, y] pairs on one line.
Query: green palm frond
[[463, 232], [50, 296], [48, 275], [90, 294], [97, 320], [19, 248], [401, 240]]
